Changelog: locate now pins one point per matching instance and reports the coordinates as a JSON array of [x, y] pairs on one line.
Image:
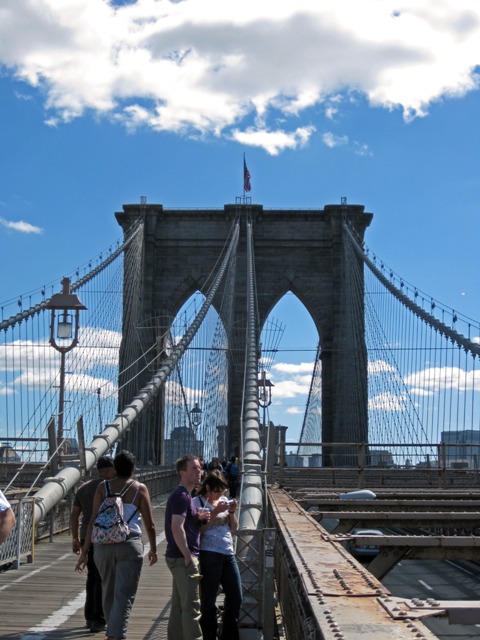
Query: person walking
[[231, 473], [7, 518], [214, 465], [218, 564], [182, 532], [120, 563], [82, 505]]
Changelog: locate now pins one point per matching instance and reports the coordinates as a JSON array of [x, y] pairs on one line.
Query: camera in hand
[[231, 503]]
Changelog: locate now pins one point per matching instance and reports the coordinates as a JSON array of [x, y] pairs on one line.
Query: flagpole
[[244, 165], [246, 179]]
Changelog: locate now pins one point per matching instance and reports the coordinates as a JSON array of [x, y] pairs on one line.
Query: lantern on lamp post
[[195, 420], [196, 415], [264, 400], [64, 326], [264, 392]]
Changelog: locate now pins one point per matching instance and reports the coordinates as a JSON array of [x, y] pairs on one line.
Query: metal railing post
[[361, 464]]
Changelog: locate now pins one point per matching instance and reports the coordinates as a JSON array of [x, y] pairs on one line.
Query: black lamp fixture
[[264, 391], [196, 415], [64, 323]]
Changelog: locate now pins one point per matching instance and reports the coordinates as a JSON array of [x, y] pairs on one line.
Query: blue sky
[[378, 101]]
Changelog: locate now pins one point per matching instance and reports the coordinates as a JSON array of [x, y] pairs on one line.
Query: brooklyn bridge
[[164, 345]]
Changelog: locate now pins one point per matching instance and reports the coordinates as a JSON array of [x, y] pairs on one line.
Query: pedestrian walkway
[[44, 600]]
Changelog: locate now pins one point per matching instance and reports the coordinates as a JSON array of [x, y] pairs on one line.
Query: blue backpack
[[109, 526]]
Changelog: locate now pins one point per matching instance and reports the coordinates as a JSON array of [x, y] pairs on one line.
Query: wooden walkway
[[44, 600]]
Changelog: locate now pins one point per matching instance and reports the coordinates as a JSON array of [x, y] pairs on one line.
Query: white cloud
[[295, 411], [20, 354], [290, 389], [361, 149], [96, 352], [274, 141], [420, 392], [214, 67], [379, 366], [6, 391], [291, 380], [293, 368], [440, 378], [21, 226], [387, 401], [331, 140], [78, 383]]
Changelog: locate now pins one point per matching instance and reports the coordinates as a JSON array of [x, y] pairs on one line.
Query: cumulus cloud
[[376, 367], [293, 368], [274, 141], [292, 380], [291, 388], [213, 68], [331, 140], [441, 378], [387, 401], [21, 226], [295, 411], [97, 352]]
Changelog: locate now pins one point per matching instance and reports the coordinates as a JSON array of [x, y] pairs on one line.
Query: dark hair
[[181, 464], [214, 481], [105, 462], [124, 464]]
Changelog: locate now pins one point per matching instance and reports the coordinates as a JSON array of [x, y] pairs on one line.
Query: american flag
[[246, 177]]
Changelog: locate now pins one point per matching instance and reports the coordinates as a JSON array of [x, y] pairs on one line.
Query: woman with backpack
[[119, 546]]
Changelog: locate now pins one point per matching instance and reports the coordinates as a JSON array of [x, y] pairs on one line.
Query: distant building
[[71, 446], [293, 460], [380, 458], [8, 454], [314, 460], [462, 448], [182, 441]]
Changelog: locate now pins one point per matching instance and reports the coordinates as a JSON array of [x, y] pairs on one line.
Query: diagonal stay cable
[[442, 328], [32, 311]]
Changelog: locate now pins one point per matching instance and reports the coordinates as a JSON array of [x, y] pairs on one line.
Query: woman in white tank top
[[120, 564]]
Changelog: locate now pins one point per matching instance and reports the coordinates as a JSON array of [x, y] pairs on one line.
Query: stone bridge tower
[[302, 251]]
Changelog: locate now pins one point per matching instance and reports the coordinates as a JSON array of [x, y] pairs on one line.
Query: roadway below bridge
[[438, 580]]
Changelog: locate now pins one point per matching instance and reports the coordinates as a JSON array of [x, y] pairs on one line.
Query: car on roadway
[[358, 548]]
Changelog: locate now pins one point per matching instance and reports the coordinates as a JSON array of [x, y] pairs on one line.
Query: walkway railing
[[360, 465], [20, 542]]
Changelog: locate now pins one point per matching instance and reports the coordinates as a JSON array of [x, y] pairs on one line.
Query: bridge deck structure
[[320, 582], [322, 591]]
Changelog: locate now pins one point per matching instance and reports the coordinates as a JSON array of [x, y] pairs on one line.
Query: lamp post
[[195, 420], [64, 326], [265, 400]]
